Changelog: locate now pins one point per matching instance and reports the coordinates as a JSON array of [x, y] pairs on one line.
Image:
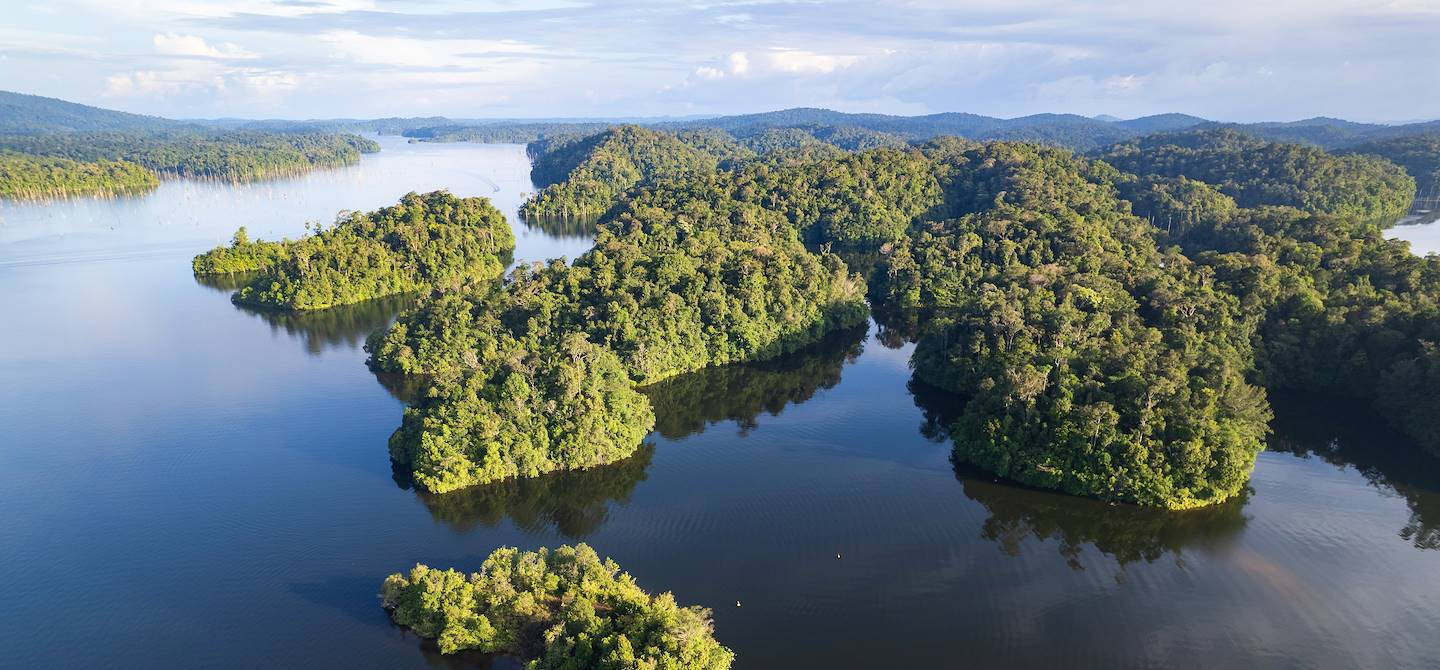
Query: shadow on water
[[575, 504], [355, 596], [408, 389], [690, 403], [227, 284], [564, 227], [321, 329], [465, 660], [1125, 533], [1347, 434]]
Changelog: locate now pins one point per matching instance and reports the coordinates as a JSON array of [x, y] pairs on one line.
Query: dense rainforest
[[540, 374], [1109, 332], [1418, 154], [581, 175], [429, 241], [557, 609], [52, 148], [1256, 172]]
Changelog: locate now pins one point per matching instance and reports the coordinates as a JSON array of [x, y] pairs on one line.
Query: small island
[[557, 609], [430, 241]]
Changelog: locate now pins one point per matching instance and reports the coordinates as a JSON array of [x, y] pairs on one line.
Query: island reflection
[[1347, 434], [577, 503], [1124, 533], [689, 403], [564, 227], [320, 329]]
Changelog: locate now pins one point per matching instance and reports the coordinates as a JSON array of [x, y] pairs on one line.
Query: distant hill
[[24, 114], [1160, 123]]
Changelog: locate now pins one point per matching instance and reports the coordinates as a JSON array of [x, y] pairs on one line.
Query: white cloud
[[172, 44], [1229, 59], [200, 77], [420, 53], [739, 63], [800, 61]]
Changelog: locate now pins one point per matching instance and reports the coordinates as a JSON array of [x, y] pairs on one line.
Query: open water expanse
[[185, 483]]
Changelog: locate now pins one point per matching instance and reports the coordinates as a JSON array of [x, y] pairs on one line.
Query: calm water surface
[[186, 483]]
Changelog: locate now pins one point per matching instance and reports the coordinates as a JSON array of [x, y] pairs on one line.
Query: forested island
[[540, 375], [51, 148], [429, 241], [557, 609], [1110, 333]]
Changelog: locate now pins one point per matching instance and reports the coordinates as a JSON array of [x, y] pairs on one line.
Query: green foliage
[[238, 155], [565, 405], [242, 255], [1091, 358], [1418, 154], [586, 175], [1343, 310], [1091, 362], [669, 289], [564, 609], [665, 290], [435, 240], [501, 132], [1176, 205], [25, 177], [1255, 172]]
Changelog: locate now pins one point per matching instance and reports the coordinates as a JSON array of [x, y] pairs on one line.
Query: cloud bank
[[1226, 59]]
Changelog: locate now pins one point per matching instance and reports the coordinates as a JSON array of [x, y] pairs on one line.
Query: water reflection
[[564, 227], [575, 504], [408, 389], [1350, 435], [321, 329], [690, 403], [227, 284], [1125, 533]]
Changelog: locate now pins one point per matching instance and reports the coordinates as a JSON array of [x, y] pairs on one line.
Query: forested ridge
[[429, 241], [1257, 172], [581, 175], [51, 148]]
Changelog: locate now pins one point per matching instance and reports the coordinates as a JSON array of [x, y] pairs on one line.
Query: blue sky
[[1225, 59]]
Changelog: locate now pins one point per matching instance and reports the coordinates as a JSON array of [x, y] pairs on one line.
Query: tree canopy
[[434, 240], [561, 609], [1256, 172], [539, 375], [1090, 360]]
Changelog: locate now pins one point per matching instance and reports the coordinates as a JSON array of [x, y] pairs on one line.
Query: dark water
[[185, 483]]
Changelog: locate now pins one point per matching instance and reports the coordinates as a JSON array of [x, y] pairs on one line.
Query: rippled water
[[186, 483]]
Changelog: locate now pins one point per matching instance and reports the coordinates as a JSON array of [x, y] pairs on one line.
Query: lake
[[188, 483]]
